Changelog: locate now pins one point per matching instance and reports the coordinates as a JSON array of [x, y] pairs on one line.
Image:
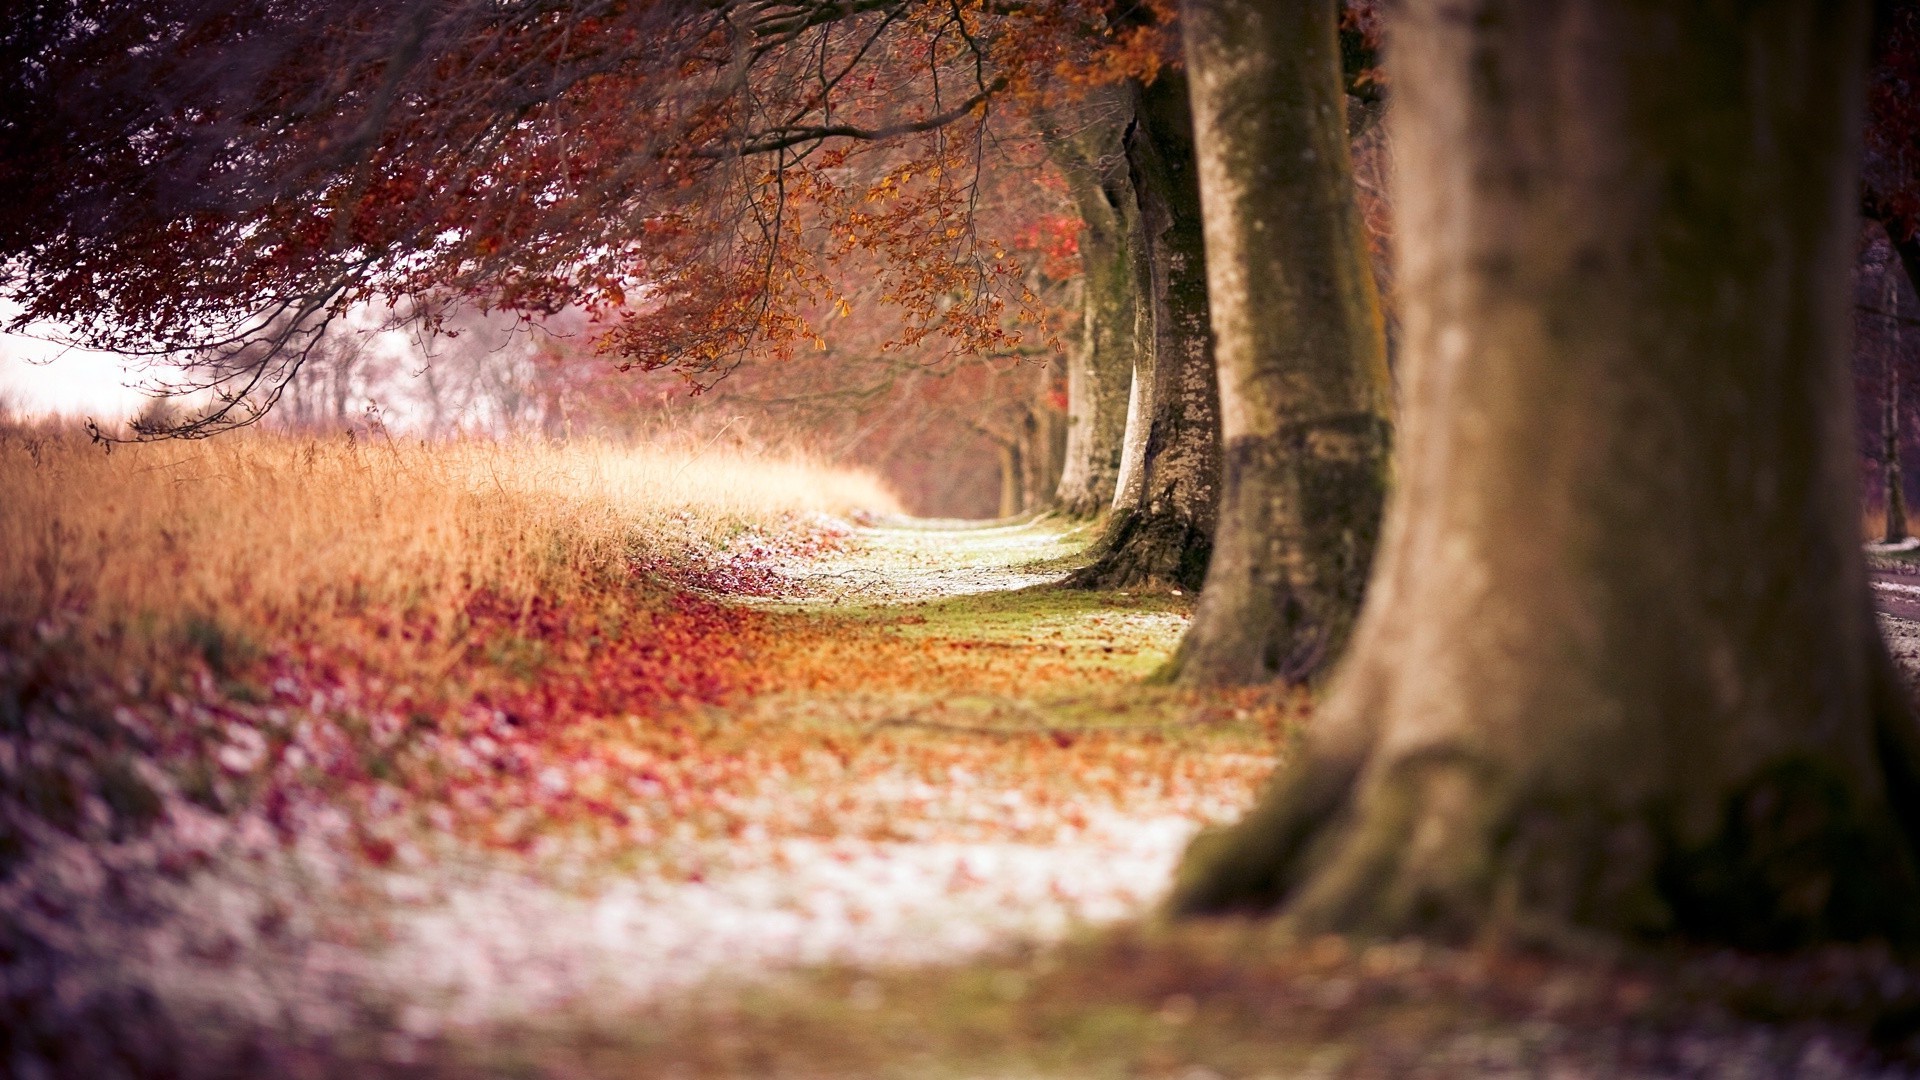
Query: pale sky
[[39, 377]]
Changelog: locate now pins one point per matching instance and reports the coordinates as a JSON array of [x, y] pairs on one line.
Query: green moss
[[225, 649]]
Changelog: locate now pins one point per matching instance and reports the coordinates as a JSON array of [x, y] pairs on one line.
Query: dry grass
[[209, 651], [275, 534]]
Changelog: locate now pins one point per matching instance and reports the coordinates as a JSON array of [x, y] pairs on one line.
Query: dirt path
[[945, 837], [903, 561], [1897, 594], [1896, 597]]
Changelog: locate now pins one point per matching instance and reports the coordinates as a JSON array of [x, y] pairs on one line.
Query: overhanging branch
[[770, 142]]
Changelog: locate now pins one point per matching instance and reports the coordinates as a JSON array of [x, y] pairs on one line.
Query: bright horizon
[[41, 377], [44, 378]]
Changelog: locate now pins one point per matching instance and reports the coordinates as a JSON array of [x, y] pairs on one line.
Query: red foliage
[[703, 178]]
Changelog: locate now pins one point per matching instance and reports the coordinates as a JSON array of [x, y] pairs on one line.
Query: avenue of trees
[[1578, 577]]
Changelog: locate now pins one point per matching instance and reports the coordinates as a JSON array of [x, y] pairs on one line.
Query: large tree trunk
[[1297, 330], [1088, 147], [1161, 531], [1617, 670]]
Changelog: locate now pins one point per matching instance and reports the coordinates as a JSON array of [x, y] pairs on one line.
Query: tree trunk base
[[1081, 507], [1459, 843], [1618, 676], [1147, 550]]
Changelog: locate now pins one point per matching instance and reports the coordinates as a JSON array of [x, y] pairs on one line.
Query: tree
[[1890, 195], [1087, 142], [1891, 483], [1299, 339], [1161, 530], [1617, 669], [1883, 370]]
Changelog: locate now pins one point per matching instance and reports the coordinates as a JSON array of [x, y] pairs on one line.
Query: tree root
[[1142, 551], [1459, 846]]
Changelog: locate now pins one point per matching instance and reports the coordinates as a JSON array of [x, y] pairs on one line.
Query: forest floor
[[941, 753], [1026, 946], [954, 873], [797, 797]]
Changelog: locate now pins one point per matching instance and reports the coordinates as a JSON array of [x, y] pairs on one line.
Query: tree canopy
[[218, 181]]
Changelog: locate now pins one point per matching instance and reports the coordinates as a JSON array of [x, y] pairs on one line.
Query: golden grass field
[[269, 533]]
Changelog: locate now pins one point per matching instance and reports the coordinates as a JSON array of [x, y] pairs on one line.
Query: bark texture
[[1299, 340], [1892, 485], [1161, 532], [1617, 672], [1088, 146]]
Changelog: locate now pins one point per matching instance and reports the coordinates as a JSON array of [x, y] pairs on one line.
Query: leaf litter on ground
[[587, 786]]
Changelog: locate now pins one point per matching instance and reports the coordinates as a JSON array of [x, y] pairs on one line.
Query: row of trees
[[1615, 669]]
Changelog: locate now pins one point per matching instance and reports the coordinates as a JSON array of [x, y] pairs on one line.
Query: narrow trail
[[908, 560], [1896, 599], [949, 755], [1897, 595]]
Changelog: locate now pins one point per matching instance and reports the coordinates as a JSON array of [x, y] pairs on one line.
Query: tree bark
[[1618, 671], [1893, 487], [1088, 149], [1161, 531], [1298, 335], [1873, 205], [1909, 252]]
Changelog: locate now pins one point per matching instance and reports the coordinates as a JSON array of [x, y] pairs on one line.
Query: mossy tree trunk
[[1617, 670], [1161, 532], [1088, 147], [1299, 340]]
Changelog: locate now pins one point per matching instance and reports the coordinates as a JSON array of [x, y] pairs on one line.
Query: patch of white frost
[[497, 945]]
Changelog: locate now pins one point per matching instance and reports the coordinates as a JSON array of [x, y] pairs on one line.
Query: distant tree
[[335, 384], [1617, 669], [1890, 196], [1087, 141], [1893, 486], [1884, 366]]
